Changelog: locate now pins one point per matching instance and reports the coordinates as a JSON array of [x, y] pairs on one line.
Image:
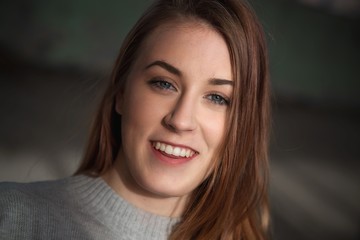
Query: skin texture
[[177, 92]]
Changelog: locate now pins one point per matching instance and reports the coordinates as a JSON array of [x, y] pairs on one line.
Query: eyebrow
[[166, 66], [175, 71], [217, 81]]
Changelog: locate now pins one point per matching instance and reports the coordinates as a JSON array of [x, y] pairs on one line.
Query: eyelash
[[220, 99], [160, 84]]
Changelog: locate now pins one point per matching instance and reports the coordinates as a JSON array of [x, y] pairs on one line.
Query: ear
[[119, 103]]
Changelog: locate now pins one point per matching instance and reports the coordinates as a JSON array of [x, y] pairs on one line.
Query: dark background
[[55, 57]]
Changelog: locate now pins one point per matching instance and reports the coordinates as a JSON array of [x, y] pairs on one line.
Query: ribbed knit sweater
[[78, 207]]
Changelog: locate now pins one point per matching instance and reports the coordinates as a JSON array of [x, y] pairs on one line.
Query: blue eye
[[217, 99], [162, 84]]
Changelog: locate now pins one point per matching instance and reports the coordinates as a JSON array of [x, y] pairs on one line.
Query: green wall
[[314, 54], [80, 33]]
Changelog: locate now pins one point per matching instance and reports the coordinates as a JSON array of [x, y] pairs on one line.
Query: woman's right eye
[[162, 84]]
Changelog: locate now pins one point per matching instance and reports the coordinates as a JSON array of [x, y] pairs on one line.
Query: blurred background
[[56, 56]]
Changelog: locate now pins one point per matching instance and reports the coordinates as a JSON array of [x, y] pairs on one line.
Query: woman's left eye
[[218, 99]]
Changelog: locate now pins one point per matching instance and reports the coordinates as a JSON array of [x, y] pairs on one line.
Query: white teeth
[[169, 149], [183, 152], [162, 147], [176, 151]]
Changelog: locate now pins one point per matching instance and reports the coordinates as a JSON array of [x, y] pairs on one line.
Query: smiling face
[[173, 111]]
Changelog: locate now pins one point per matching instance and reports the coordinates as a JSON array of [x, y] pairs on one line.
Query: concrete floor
[[315, 180]]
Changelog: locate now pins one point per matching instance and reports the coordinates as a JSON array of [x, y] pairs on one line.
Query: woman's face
[[173, 109]]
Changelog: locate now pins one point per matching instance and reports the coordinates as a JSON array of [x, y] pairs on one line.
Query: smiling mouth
[[173, 150]]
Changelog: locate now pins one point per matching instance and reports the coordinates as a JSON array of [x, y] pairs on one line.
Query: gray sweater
[[77, 207]]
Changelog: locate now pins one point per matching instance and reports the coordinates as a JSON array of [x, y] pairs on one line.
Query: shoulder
[[35, 195], [15, 201], [65, 196], [31, 207], [27, 198], [13, 192]]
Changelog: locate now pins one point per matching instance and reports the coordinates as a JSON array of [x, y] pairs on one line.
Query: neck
[[121, 183]]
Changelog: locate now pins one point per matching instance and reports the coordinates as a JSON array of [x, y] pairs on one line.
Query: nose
[[181, 116]]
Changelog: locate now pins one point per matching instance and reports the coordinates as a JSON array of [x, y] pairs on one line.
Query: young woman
[[178, 149]]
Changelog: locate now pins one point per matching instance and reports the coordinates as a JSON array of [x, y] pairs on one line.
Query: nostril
[[177, 122], [181, 115]]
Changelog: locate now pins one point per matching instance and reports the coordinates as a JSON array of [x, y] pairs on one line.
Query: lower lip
[[171, 160]]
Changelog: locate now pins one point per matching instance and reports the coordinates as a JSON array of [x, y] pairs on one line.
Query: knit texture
[[78, 207]]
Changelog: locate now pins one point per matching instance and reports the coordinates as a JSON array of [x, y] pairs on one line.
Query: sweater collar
[[103, 203]]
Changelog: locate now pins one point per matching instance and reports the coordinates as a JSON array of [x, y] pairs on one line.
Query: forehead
[[185, 43], [178, 31]]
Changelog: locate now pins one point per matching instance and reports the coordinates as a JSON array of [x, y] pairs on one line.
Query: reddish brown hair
[[232, 202]]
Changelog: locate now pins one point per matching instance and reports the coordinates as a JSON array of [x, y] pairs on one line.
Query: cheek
[[135, 106], [214, 129], [213, 135], [142, 112]]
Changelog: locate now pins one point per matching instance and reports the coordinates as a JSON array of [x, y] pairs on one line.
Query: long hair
[[232, 202]]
